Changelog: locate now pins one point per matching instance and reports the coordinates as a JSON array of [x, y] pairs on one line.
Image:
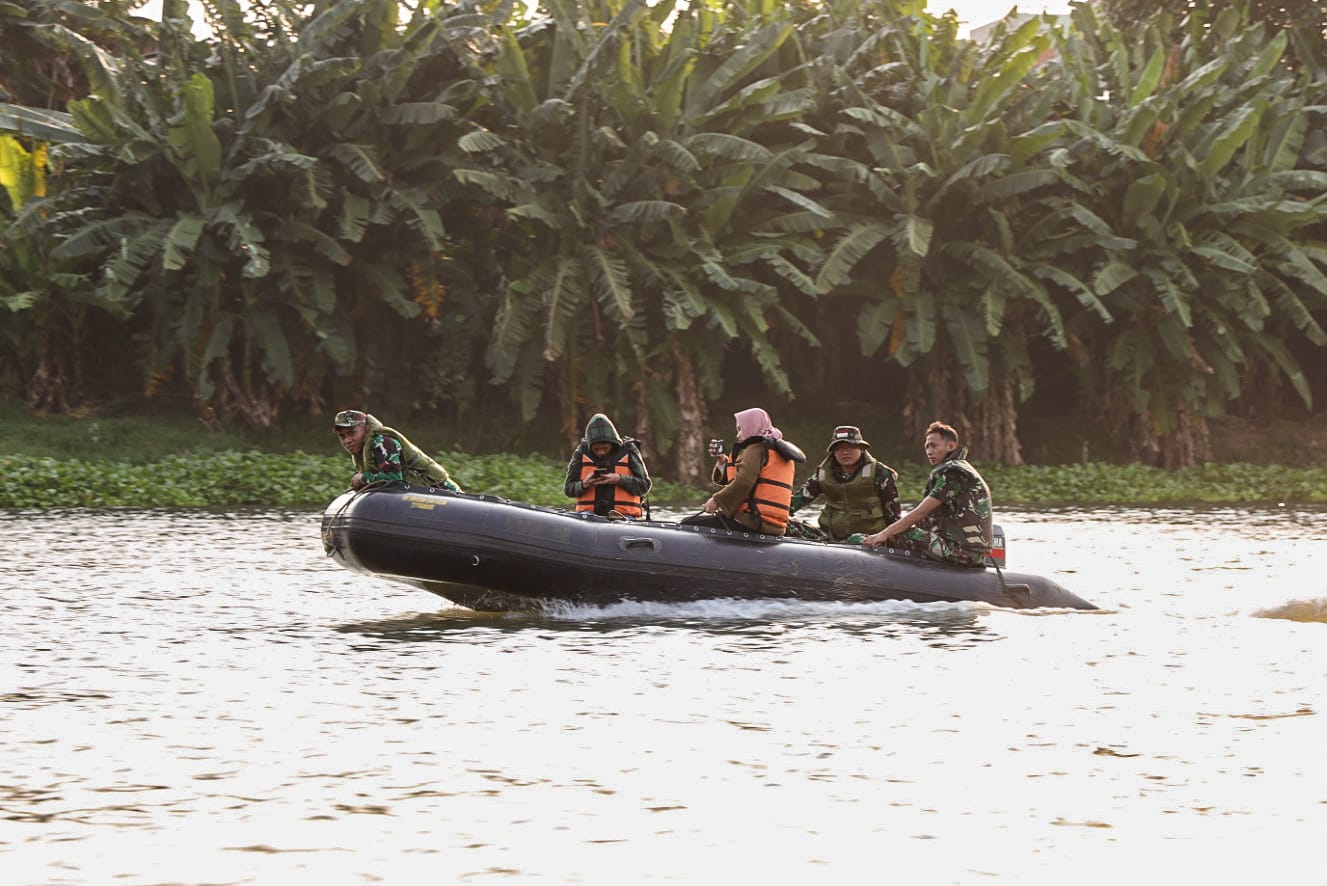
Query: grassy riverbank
[[295, 479], [298, 479], [160, 462]]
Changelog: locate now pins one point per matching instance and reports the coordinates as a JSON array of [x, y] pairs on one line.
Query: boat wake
[[724, 615], [728, 609], [1296, 610]]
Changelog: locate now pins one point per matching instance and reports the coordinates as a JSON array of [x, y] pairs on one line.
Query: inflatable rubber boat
[[493, 555]]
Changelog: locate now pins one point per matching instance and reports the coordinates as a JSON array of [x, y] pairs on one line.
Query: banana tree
[[51, 317], [55, 51], [43, 318], [1203, 264], [262, 205], [635, 172], [950, 156]]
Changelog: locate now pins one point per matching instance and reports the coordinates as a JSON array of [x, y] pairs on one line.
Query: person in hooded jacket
[[382, 455], [756, 482], [606, 474]]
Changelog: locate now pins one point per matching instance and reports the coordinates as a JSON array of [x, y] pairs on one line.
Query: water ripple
[[202, 697]]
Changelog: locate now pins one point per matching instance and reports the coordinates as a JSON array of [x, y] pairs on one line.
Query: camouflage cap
[[847, 434], [349, 418]]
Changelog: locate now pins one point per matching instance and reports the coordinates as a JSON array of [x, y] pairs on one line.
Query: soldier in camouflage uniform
[[953, 521], [860, 492], [381, 454]]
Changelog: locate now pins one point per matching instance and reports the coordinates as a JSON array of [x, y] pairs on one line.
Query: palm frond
[[362, 160], [848, 252], [564, 293]]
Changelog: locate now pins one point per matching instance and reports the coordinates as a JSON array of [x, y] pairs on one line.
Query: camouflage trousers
[[802, 529], [927, 543]]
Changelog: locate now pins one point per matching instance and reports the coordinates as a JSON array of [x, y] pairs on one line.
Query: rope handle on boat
[[723, 521], [333, 549]]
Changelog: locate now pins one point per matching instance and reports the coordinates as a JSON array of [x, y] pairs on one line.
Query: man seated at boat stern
[[606, 474], [381, 454], [952, 523]]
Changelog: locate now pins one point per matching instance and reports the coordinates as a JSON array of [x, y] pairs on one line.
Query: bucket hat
[[847, 434]]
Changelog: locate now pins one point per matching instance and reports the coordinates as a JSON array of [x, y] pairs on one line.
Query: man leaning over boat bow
[[381, 454]]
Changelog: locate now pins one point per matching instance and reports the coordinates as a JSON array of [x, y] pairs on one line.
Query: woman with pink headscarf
[[756, 482]]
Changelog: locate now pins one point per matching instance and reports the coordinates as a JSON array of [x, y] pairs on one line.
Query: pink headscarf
[[755, 423]]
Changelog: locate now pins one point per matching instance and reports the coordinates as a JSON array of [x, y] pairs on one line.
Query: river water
[[202, 697]]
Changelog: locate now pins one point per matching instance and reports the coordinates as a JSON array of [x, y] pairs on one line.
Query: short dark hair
[[944, 430]]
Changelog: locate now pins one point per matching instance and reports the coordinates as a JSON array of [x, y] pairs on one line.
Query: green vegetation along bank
[[170, 461], [298, 479]]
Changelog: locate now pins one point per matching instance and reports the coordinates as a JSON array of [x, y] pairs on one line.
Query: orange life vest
[[624, 502], [771, 497]]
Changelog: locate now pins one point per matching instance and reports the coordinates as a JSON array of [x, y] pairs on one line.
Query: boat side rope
[[376, 484]]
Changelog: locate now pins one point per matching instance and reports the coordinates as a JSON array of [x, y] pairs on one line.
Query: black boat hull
[[489, 554]]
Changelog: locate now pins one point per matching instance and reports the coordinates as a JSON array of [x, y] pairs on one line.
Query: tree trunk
[[644, 431], [689, 457], [236, 400], [48, 387], [1187, 443], [994, 435], [987, 423]]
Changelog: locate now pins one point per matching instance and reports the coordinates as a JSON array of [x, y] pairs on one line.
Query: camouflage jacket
[[383, 461], [389, 456], [964, 515]]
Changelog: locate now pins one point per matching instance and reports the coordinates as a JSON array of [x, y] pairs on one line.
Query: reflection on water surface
[[778, 619]]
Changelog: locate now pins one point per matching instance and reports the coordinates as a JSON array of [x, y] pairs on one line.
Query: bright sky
[[975, 13], [971, 13]]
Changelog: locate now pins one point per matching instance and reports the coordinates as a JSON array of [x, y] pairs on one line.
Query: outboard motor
[[997, 547]]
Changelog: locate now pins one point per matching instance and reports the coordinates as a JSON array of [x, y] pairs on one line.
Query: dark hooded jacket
[[635, 481]]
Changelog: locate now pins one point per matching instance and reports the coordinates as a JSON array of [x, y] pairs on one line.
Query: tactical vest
[[624, 502], [771, 496], [852, 505], [968, 527], [416, 467]]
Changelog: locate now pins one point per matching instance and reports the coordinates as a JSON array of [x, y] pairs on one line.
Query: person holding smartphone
[[755, 483], [606, 474]]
